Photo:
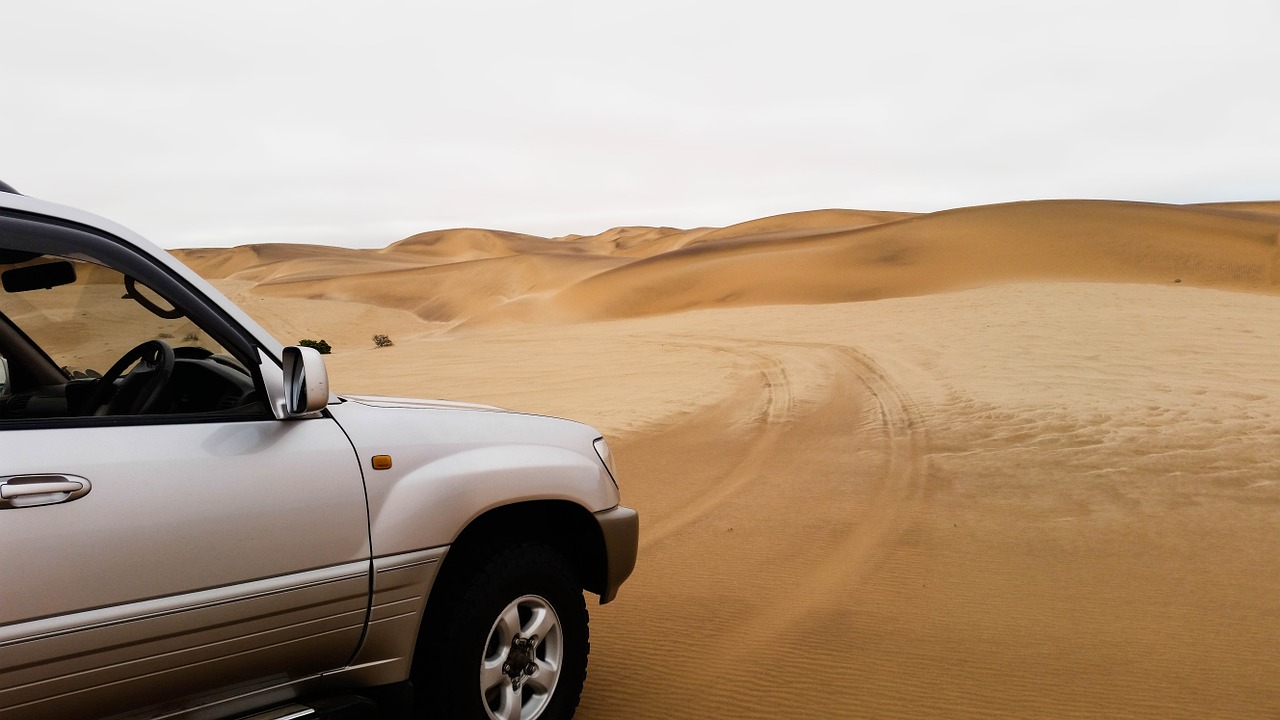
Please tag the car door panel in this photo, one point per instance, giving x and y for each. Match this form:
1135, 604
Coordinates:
207, 558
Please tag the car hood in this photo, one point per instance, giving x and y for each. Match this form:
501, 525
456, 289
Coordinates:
398, 402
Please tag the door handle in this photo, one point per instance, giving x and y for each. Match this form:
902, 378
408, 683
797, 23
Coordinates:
19, 491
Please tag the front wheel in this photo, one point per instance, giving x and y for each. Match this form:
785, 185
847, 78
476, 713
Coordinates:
509, 640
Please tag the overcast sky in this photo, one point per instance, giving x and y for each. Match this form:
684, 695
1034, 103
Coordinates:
231, 122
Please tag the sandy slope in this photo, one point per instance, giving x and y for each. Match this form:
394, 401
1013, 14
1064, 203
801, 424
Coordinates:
1035, 478
483, 278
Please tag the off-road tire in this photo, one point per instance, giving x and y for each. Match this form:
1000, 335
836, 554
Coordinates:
447, 669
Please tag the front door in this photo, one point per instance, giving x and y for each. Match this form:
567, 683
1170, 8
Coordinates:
165, 542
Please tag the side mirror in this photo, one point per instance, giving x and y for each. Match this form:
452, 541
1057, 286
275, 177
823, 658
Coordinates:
306, 381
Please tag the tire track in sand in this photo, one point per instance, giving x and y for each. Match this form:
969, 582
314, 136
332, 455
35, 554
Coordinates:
777, 413
781, 501
769, 415
901, 488
804, 627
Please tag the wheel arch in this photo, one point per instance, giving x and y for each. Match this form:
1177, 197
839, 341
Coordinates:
569, 529
490, 569
565, 526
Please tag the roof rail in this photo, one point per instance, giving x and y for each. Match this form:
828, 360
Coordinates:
6, 187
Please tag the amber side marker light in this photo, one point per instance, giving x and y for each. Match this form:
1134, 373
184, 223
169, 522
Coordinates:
381, 462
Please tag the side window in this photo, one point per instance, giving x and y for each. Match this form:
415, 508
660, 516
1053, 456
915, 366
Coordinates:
83, 339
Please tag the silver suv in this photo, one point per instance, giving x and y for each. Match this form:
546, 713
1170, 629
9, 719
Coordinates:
193, 526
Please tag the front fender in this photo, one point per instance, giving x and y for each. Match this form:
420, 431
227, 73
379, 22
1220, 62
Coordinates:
431, 505
449, 466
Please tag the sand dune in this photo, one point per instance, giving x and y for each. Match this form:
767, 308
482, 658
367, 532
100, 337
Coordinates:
959, 249
1266, 209
1009, 461
445, 294
808, 220
482, 277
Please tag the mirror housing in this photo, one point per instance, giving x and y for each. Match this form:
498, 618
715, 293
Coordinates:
306, 381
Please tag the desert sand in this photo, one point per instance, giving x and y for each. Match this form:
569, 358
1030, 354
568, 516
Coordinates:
1008, 461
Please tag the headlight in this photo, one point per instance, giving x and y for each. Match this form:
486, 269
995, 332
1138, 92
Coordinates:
606, 457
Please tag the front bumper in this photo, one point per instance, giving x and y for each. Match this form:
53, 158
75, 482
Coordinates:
620, 528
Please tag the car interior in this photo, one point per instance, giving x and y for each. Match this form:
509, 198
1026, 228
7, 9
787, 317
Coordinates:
80, 339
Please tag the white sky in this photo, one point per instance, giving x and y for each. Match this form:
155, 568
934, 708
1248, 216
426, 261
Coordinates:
351, 123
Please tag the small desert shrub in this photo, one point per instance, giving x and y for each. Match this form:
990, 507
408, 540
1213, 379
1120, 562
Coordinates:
165, 336
382, 341
320, 345
190, 337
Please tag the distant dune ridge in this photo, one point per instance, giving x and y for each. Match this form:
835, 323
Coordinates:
1009, 461
824, 256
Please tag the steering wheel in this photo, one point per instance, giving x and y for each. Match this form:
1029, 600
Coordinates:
141, 390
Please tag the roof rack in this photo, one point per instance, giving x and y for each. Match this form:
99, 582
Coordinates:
6, 187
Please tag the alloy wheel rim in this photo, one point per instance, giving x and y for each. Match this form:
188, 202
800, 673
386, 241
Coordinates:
522, 661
